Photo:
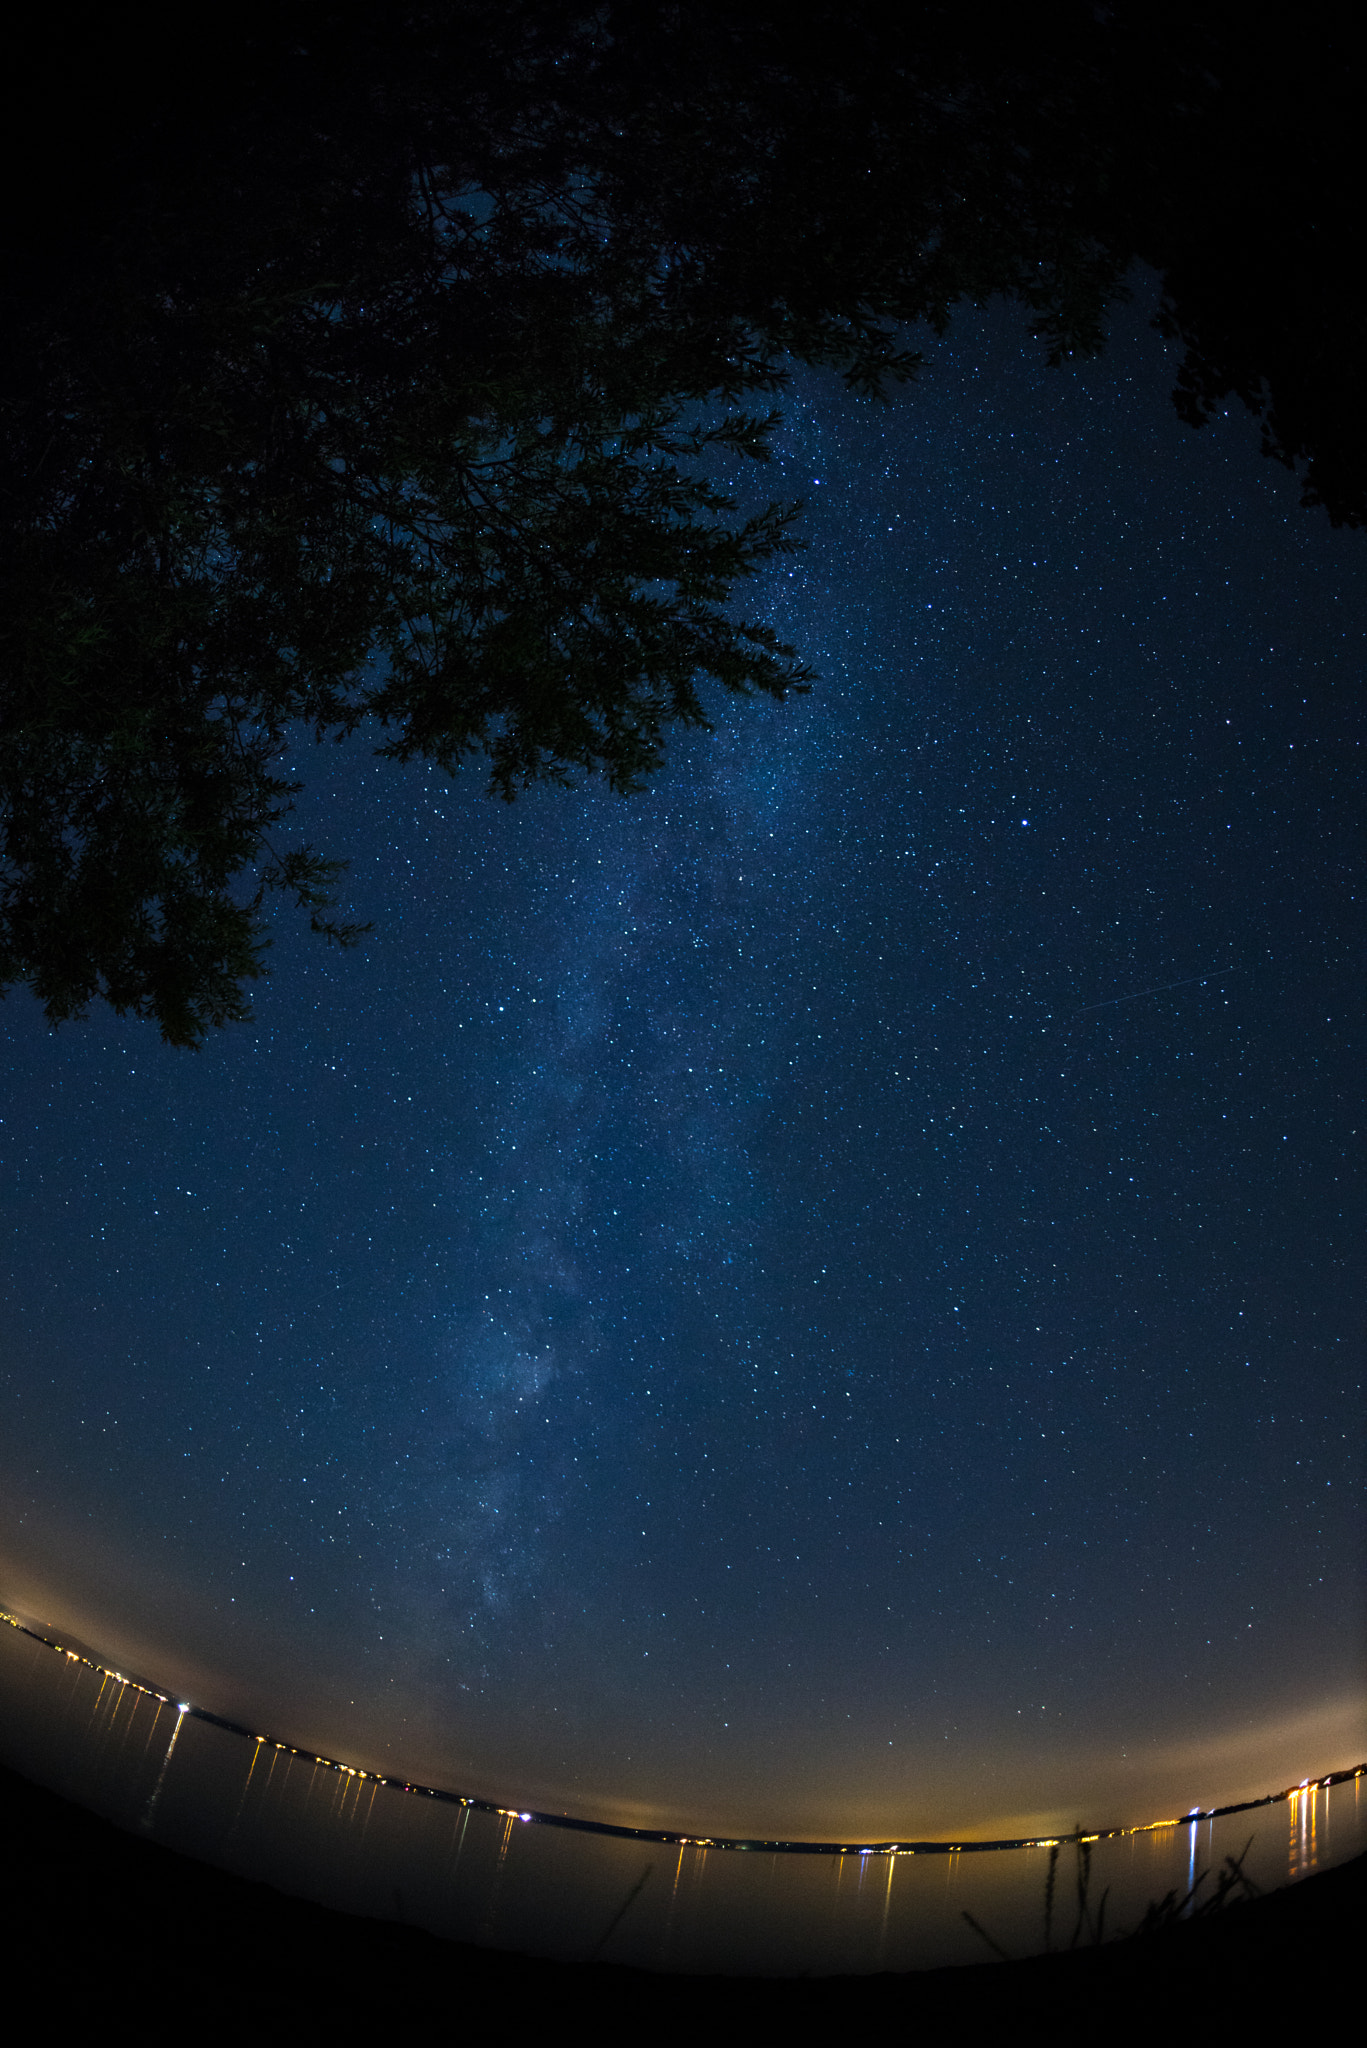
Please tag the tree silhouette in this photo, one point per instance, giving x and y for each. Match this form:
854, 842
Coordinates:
374, 379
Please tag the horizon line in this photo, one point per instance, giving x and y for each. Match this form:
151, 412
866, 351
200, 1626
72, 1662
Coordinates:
667, 1837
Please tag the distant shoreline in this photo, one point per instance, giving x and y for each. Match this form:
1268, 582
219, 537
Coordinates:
72, 1647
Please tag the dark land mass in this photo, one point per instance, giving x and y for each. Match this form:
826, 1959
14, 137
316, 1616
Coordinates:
125, 1931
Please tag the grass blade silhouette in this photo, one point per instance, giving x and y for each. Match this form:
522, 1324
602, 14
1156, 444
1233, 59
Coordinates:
619, 1915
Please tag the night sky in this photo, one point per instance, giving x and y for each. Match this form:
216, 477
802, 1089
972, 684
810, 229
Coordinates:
824, 1296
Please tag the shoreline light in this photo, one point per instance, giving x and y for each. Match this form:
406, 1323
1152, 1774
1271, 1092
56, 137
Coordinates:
672, 1837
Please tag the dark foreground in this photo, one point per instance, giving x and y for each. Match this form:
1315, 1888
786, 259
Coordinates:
120, 1931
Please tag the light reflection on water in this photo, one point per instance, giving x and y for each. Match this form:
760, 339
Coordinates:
354, 1843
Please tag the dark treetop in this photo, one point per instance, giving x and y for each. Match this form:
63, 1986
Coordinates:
377, 380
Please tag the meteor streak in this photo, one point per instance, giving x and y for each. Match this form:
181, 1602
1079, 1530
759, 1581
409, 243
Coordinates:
1157, 990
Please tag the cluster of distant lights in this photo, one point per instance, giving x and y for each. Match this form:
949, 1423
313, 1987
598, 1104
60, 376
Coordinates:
599, 1827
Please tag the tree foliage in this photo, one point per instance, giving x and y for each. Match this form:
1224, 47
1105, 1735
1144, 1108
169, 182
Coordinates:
373, 379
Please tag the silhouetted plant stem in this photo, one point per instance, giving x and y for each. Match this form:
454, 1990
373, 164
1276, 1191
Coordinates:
979, 1929
1049, 1900
620, 1914
1084, 1874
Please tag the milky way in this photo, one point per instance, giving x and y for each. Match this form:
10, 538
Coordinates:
827, 1294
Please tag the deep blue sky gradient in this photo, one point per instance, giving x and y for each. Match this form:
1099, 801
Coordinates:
826, 1295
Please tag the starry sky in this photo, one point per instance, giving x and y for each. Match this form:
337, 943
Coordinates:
826, 1295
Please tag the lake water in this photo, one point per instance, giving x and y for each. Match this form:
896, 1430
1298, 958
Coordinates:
478, 1874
